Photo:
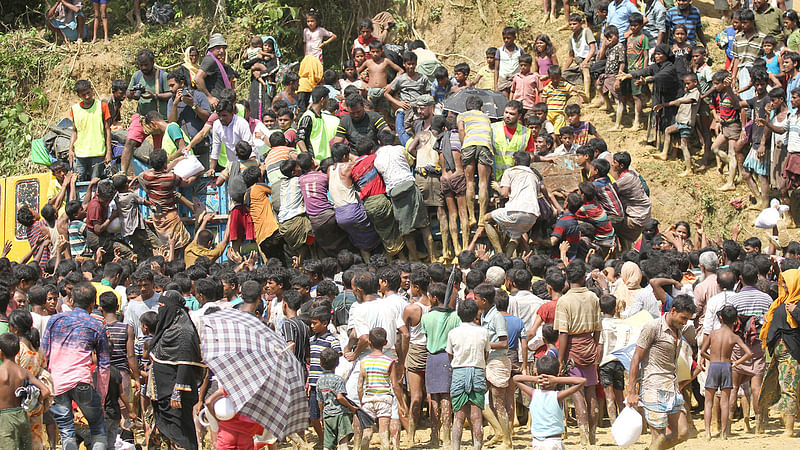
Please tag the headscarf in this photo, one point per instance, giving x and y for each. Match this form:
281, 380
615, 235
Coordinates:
631, 283
175, 340
187, 62
788, 294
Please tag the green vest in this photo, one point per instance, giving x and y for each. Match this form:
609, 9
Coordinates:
323, 129
91, 140
168, 145
504, 148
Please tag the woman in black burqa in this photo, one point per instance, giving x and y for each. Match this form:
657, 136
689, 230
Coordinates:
177, 371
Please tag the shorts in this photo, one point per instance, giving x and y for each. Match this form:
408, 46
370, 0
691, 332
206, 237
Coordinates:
631, 89
379, 102
558, 119
313, 405
337, 428
552, 443
685, 130
504, 81
455, 185
15, 430
514, 223
732, 130
719, 376
102, 2
606, 83
498, 371
136, 132
477, 153
659, 404
588, 372
613, 374
431, 189
378, 406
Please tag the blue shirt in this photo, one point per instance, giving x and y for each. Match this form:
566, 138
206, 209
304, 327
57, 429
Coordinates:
731, 33
317, 344
792, 85
187, 118
439, 93
516, 330
690, 21
547, 416
618, 15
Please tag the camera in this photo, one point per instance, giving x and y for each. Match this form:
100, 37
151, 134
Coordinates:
186, 92
138, 90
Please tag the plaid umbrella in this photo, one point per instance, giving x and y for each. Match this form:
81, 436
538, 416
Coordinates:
262, 378
493, 102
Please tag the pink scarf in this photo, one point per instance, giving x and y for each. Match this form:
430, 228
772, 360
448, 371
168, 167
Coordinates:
225, 80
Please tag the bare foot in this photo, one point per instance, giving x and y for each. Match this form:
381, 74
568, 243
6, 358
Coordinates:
726, 187
615, 128
708, 436
661, 156
637, 126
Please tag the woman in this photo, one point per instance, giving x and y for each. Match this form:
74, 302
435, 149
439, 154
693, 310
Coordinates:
190, 57
261, 92
791, 31
679, 236
628, 285
177, 371
666, 84
781, 336
20, 322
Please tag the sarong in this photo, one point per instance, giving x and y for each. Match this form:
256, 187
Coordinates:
409, 210
327, 234
354, 221
468, 385
169, 226
438, 373
416, 358
380, 213
780, 383
295, 232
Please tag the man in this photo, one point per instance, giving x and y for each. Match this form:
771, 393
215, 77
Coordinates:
768, 19
752, 305
655, 27
62, 186
708, 287
359, 123
70, 343
190, 109
683, 13
227, 131
314, 133
635, 201
214, 75
203, 244
98, 220
146, 301
176, 141
65, 18
148, 86
578, 322
421, 121
90, 143
657, 350
791, 69
509, 137
726, 283
746, 49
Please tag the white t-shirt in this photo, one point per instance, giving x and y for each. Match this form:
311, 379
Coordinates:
713, 306
524, 194
469, 344
391, 163
313, 39
237, 130
524, 304
136, 308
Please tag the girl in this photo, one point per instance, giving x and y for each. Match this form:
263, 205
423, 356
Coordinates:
314, 36
682, 51
350, 77
545, 57
20, 322
359, 56
100, 12
791, 31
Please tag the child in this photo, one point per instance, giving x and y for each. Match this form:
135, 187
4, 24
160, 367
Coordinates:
540, 111
37, 235
728, 123
101, 12
486, 73
78, 247
136, 234
407, 87
441, 86
582, 48
359, 56
90, 144
118, 89
568, 146
547, 409
377, 67
507, 60
111, 407
238, 431
637, 46
314, 36
364, 38
517, 336
612, 372
582, 130
333, 404
468, 346
550, 339
703, 122
16, 428
350, 77
594, 214
475, 133
688, 106
526, 85
454, 183
721, 343
556, 94
545, 57
376, 391
255, 58
330, 79
681, 50
285, 120
460, 77
321, 340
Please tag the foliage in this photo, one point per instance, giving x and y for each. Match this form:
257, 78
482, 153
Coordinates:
518, 20
435, 13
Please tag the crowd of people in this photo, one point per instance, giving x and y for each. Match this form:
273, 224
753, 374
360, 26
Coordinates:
339, 185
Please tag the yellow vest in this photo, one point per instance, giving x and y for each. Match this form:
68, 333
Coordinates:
91, 140
504, 148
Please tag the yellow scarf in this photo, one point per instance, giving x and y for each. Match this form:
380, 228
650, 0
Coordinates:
187, 63
788, 292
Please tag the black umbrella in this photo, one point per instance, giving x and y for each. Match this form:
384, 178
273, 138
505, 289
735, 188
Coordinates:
493, 102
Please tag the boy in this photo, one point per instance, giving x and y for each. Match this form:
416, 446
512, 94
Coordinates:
441, 86
594, 214
454, 183
547, 413
134, 230
468, 347
507, 60
582, 48
566, 227
517, 335
376, 389
540, 111
526, 85
295, 331
61, 188
637, 46
333, 404
377, 67
321, 341
728, 123
293, 224
408, 87
118, 88
568, 145
285, 120
37, 235
556, 94
582, 130
78, 248
90, 144
16, 428
688, 105
757, 163
461, 77
704, 83
550, 339
475, 134
721, 343
485, 77
612, 372
607, 83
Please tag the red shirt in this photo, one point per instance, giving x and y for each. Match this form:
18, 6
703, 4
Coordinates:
96, 213
531, 147
367, 177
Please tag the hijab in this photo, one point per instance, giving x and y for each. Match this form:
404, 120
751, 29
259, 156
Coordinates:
630, 284
187, 62
788, 292
175, 340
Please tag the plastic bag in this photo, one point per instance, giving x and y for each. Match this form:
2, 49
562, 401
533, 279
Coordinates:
39, 153
160, 13
627, 428
188, 167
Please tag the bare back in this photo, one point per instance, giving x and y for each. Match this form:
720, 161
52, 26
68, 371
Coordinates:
377, 72
722, 342
12, 376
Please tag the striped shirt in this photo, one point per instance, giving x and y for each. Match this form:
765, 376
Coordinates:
317, 344
727, 110
793, 135
477, 129
118, 338
77, 239
377, 369
557, 96
160, 188
34, 234
583, 132
594, 214
366, 176
607, 197
750, 301
691, 21
747, 49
